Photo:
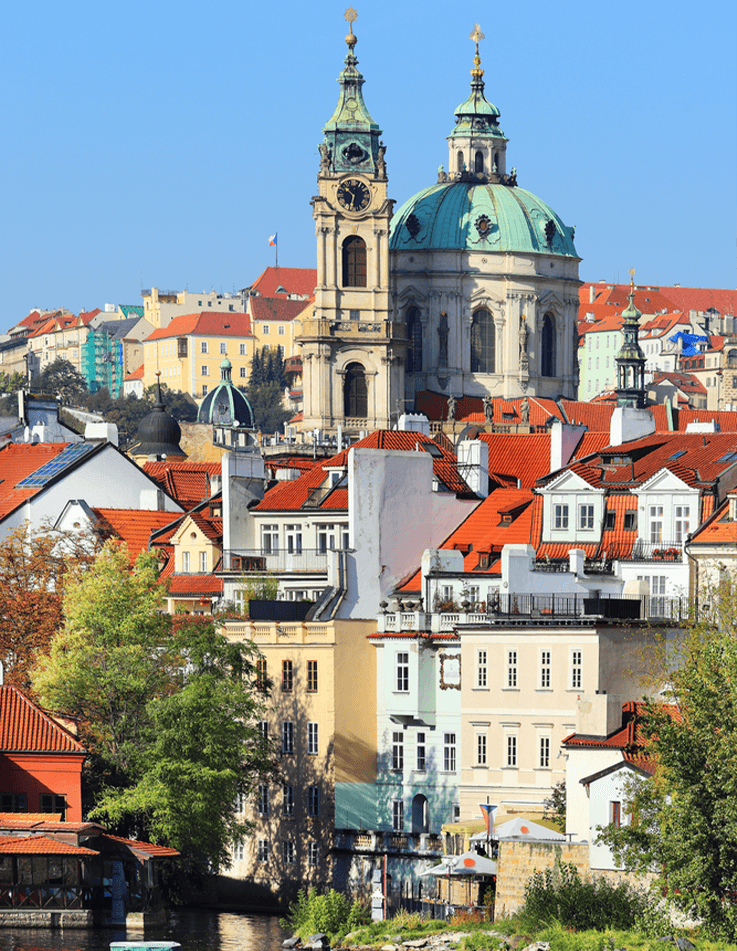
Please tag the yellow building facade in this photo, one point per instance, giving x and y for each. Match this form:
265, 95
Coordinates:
189, 351
321, 722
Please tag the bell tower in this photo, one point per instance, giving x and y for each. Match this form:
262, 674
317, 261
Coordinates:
352, 352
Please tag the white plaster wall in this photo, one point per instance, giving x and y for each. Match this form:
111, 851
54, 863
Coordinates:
393, 517
107, 480
581, 763
613, 787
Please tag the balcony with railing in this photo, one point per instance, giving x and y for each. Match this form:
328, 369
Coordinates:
425, 843
260, 560
545, 609
656, 551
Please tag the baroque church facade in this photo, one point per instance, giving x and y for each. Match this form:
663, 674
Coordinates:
469, 289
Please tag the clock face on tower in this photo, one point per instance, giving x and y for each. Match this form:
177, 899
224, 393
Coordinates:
353, 195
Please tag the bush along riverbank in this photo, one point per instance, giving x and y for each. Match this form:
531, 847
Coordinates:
562, 912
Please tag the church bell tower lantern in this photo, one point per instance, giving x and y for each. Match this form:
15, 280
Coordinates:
352, 352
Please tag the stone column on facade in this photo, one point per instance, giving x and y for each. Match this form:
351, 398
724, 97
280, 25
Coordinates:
323, 231
331, 243
376, 260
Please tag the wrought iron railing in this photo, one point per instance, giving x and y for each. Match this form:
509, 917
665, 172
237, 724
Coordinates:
258, 560
656, 551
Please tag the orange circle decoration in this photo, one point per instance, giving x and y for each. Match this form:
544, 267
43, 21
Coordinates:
469, 863
524, 829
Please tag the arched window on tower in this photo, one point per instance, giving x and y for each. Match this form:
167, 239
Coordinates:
354, 262
355, 392
496, 161
413, 322
548, 346
483, 342
459, 161
479, 163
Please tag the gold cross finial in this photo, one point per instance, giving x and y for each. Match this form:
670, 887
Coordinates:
476, 34
351, 16
632, 276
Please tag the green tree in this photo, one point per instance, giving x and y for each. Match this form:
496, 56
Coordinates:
63, 379
11, 382
555, 806
168, 711
265, 390
684, 819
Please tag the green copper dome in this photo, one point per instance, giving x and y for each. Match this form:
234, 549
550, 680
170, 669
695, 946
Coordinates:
470, 217
226, 405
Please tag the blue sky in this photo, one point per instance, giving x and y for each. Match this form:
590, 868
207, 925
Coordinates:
161, 144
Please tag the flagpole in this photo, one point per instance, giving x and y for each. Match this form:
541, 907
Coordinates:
276, 250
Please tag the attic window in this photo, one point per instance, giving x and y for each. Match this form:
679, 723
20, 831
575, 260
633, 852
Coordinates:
610, 521
616, 460
433, 449
483, 561
728, 457
630, 521
193, 534
506, 518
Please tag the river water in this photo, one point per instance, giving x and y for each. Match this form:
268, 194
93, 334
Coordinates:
195, 930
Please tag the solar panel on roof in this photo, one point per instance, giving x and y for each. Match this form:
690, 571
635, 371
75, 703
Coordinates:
56, 465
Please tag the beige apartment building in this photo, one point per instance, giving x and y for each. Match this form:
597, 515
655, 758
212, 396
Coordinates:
277, 323
189, 350
322, 725
161, 307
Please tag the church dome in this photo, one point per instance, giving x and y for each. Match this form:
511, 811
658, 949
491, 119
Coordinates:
158, 433
226, 405
465, 216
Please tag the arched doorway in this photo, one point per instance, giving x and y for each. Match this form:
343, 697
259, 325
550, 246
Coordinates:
355, 391
420, 817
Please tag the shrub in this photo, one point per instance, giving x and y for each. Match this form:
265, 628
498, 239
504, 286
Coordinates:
331, 913
561, 895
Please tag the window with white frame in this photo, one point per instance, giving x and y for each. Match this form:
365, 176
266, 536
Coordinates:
312, 738
585, 517
402, 672
240, 804
325, 538
560, 516
287, 676
474, 594
420, 751
482, 670
544, 751
287, 803
511, 759
545, 669
398, 750
270, 539
313, 853
576, 669
511, 668
265, 328
281, 330
203, 346
263, 850
287, 736
203, 561
313, 801
263, 726
481, 749
288, 852
293, 538
398, 815
185, 561
204, 370
241, 349
344, 536
449, 752
239, 852
656, 524
224, 349
262, 802
242, 372
683, 522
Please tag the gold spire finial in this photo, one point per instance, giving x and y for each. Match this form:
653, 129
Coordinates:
632, 273
351, 16
477, 35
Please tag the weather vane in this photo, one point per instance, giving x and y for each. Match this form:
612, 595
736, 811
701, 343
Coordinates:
632, 275
476, 33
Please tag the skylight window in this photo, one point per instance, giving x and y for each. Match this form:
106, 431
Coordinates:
728, 457
56, 465
677, 455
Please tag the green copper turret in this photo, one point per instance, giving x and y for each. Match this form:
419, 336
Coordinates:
631, 359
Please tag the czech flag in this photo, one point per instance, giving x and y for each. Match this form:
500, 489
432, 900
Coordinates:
487, 812
272, 241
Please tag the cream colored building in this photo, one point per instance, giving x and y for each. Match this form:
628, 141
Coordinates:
189, 351
322, 724
161, 307
278, 323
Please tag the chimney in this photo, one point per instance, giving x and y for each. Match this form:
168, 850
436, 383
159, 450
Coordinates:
576, 558
564, 437
473, 465
629, 423
592, 294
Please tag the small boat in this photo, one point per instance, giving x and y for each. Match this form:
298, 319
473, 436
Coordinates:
145, 946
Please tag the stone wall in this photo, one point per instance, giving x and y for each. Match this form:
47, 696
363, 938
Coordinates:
196, 441
46, 919
518, 860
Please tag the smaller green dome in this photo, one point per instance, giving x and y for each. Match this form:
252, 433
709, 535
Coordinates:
226, 405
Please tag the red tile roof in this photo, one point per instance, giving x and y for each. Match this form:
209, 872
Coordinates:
294, 280
188, 482
41, 845
683, 381
717, 529
513, 456
292, 495
470, 409
18, 460
702, 298
276, 308
207, 323
726, 420
596, 416
190, 585
26, 728
150, 848
134, 526
135, 375
629, 738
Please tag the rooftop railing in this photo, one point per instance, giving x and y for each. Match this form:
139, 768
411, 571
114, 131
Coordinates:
259, 560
